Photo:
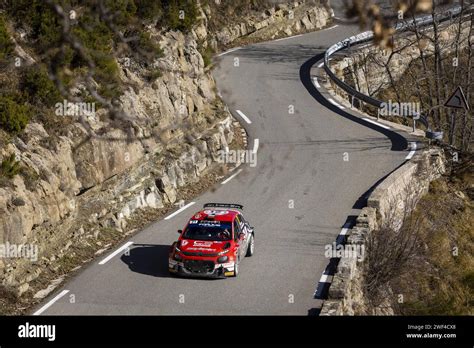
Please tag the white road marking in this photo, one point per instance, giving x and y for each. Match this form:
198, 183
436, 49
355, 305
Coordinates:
316, 83
412, 152
345, 228
376, 123
334, 26
241, 114
256, 143
231, 177
344, 231
179, 210
320, 65
332, 101
326, 278
108, 258
289, 37
50, 303
229, 51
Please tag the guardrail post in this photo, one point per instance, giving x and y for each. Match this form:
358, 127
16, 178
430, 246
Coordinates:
352, 102
414, 125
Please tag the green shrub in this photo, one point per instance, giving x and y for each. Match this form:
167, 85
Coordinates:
13, 116
122, 10
149, 9
206, 54
6, 44
146, 44
37, 15
10, 167
94, 34
154, 74
48, 30
39, 88
181, 15
30, 178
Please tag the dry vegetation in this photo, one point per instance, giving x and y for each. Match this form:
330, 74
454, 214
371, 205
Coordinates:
427, 267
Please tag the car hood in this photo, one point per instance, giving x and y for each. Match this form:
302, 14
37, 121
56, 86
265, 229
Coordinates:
203, 246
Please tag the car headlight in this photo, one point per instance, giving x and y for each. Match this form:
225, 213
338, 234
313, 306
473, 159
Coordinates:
222, 252
222, 259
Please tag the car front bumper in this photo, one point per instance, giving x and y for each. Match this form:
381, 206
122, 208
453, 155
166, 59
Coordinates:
218, 270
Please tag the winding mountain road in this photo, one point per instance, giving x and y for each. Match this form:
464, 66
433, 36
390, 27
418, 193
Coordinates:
301, 159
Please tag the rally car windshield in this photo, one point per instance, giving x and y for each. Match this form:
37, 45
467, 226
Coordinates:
213, 230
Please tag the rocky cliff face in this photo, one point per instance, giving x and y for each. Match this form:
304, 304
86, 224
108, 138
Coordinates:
282, 20
86, 183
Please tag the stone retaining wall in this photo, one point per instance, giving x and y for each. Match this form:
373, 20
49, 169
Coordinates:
406, 184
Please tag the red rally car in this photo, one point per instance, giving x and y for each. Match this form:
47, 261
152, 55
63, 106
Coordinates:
213, 243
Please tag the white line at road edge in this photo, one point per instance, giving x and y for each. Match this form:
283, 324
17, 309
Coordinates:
333, 102
241, 114
126, 245
345, 228
289, 37
231, 177
334, 26
229, 51
179, 210
255, 145
343, 231
50, 303
376, 123
412, 152
316, 83
326, 278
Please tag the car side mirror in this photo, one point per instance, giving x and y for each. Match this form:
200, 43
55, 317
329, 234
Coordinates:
180, 231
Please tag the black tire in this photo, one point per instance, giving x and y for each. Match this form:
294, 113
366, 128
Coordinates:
250, 247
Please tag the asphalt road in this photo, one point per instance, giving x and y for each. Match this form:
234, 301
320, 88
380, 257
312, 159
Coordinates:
300, 159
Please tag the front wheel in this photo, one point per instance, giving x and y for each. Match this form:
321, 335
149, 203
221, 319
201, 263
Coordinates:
251, 247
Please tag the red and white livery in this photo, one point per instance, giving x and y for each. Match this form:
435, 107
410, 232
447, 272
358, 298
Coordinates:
213, 243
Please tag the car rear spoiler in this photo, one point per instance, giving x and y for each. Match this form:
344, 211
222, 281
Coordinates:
224, 205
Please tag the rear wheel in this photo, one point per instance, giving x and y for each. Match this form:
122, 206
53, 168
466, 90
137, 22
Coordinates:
250, 247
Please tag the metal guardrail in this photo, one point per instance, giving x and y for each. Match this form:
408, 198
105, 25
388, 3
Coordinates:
368, 36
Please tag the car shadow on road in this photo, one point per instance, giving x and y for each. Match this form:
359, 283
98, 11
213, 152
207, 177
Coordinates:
149, 259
